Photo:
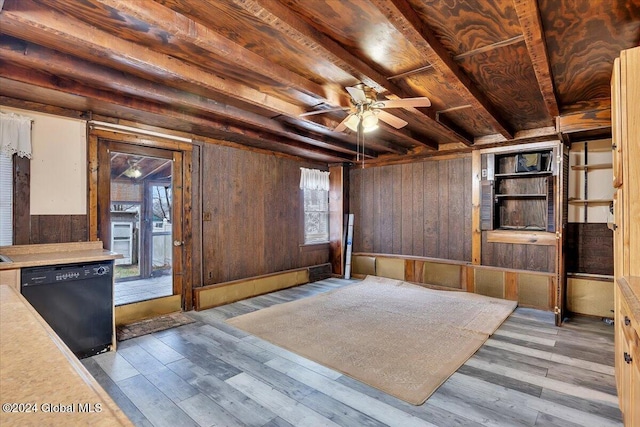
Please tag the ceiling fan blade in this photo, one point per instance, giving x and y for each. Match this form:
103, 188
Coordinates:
343, 124
394, 121
311, 113
357, 94
421, 101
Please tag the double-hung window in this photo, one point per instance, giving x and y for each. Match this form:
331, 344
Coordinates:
314, 184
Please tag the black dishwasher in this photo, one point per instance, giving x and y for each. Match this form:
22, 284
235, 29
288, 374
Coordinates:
76, 300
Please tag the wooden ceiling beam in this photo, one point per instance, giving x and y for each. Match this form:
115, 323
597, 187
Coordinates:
483, 49
584, 121
222, 129
402, 16
279, 17
38, 57
187, 30
529, 17
26, 20
527, 136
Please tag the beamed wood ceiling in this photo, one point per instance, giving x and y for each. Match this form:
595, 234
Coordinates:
496, 71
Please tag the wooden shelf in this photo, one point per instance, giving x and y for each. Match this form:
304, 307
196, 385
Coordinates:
593, 166
521, 196
522, 174
590, 201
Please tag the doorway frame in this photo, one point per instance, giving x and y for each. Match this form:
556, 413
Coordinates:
182, 166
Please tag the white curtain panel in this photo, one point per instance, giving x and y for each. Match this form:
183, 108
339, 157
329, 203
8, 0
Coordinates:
15, 135
314, 179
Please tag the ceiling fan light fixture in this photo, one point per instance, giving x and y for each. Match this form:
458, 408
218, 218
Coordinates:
369, 120
370, 128
352, 122
133, 171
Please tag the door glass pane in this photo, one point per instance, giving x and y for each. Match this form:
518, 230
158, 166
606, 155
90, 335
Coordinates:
141, 227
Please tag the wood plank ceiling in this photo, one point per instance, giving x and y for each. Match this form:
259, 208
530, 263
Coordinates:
496, 71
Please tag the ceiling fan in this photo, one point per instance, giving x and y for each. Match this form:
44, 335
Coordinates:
366, 109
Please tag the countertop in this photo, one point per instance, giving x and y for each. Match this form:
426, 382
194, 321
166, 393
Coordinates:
21, 256
38, 370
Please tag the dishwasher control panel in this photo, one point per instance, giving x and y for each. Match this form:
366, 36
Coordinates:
64, 273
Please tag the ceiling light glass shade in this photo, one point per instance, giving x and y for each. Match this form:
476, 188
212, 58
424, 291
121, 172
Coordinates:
369, 120
133, 172
370, 128
352, 123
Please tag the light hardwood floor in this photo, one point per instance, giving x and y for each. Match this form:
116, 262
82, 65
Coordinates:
530, 373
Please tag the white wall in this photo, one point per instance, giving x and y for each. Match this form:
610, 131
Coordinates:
58, 164
599, 181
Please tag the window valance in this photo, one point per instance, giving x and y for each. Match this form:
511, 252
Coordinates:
15, 134
314, 179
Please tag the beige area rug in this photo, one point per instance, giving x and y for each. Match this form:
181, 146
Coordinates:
403, 339
149, 326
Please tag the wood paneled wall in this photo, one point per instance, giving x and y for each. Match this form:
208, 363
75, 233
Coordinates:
420, 209
589, 248
58, 229
518, 256
252, 215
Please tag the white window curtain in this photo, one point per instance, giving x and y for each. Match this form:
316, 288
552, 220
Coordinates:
15, 135
15, 138
314, 184
314, 179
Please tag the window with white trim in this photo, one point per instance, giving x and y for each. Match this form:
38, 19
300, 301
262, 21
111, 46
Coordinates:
314, 184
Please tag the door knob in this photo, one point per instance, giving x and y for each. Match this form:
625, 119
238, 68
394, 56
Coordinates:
178, 243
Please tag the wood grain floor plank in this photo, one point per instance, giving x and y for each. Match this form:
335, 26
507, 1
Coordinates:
517, 361
154, 404
539, 404
500, 380
278, 381
338, 412
206, 412
426, 411
162, 352
118, 396
174, 387
583, 378
116, 366
375, 409
242, 407
585, 406
198, 355
278, 422
544, 382
286, 354
286, 408
548, 355
450, 399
